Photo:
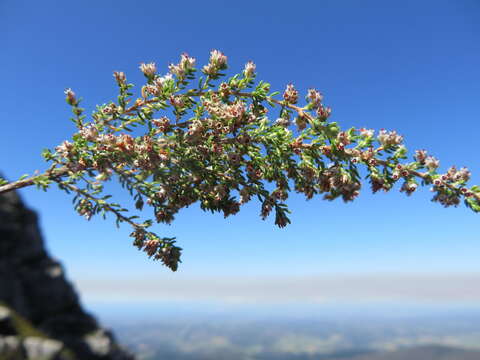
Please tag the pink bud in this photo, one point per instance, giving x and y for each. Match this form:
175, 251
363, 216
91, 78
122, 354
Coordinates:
249, 70
148, 70
71, 99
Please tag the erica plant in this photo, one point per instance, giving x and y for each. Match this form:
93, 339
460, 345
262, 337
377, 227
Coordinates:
214, 140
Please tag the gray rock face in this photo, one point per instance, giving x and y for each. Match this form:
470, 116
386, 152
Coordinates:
34, 286
38, 348
11, 348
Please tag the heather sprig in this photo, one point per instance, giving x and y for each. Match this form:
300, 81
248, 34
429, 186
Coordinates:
218, 141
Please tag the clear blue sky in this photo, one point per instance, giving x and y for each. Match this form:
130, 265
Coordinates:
412, 66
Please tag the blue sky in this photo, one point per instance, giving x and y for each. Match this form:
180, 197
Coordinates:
410, 66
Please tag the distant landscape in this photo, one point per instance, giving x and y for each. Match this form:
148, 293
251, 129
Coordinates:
296, 334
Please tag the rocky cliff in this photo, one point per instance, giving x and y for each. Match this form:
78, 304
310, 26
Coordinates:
40, 313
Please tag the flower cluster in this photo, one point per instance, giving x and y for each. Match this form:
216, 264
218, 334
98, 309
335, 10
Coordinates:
290, 95
218, 62
389, 138
149, 70
184, 67
249, 71
221, 148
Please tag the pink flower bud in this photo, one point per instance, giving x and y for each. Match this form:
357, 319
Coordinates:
462, 175
148, 90
408, 188
368, 133
148, 70
161, 81
187, 62
120, 77
290, 95
177, 70
431, 163
64, 148
388, 139
209, 69
89, 132
323, 112
218, 59
71, 99
151, 247
314, 97
420, 156
249, 70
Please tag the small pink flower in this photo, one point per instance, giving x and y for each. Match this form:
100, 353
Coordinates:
368, 133
323, 112
315, 97
148, 70
420, 156
89, 132
409, 188
290, 95
177, 70
218, 59
249, 70
151, 247
71, 99
462, 175
431, 163
187, 62
120, 77
390, 138
64, 148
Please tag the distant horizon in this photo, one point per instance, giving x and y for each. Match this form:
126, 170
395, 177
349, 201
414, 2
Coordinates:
141, 311
432, 289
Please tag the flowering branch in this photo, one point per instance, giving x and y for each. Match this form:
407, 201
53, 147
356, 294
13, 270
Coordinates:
214, 144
